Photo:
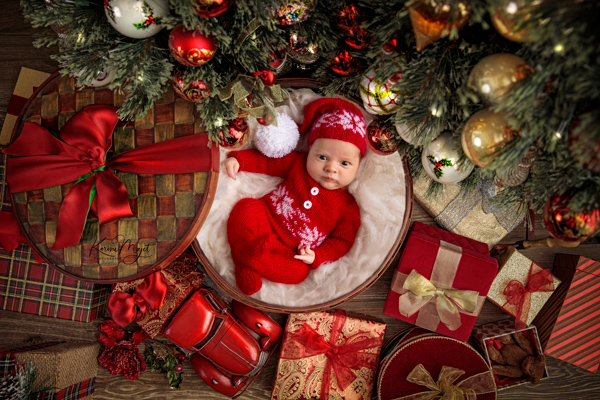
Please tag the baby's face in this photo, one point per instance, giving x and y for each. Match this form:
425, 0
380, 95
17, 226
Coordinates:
332, 163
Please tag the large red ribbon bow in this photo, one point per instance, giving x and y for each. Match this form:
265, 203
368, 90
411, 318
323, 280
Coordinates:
11, 236
80, 155
343, 358
125, 308
518, 297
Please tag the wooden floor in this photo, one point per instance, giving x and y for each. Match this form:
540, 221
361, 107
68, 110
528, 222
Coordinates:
16, 51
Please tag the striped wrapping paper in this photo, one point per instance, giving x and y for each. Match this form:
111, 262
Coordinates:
569, 323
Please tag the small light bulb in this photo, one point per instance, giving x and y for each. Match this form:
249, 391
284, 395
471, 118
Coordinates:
486, 88
559, 48
558, 135
512, 7
219, 122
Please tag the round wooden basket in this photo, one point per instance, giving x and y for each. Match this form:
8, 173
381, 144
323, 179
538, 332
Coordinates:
168, 209
232, 290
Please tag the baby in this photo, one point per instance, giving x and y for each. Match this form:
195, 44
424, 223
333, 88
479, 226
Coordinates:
310, 218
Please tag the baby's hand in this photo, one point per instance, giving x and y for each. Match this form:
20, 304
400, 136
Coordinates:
305, 253
232, 166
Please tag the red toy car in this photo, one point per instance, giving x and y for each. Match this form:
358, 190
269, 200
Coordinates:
231, 346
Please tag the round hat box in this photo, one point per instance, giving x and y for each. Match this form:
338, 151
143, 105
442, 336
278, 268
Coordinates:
433, 351
168, 209
383, 190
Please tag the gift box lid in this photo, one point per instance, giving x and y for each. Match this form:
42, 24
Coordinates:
167, 209
432, 352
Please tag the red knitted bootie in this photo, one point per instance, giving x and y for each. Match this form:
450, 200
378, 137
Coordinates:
246, 279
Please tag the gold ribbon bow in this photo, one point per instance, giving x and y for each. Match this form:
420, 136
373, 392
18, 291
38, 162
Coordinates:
445, 389
242, 89
421, 291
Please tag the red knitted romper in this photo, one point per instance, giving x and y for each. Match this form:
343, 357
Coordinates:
264, 233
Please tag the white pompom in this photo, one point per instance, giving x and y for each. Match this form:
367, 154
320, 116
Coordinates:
277, 141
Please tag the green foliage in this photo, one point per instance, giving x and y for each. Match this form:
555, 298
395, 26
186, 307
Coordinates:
166, 366
561, 49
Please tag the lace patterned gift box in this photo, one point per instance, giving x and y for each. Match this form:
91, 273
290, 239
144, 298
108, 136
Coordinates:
327, 355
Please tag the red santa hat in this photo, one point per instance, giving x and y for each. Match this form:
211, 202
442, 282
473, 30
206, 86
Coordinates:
335, 118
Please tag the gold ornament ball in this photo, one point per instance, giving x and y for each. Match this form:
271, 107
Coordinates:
484, 135
431, 20
493, 76
508, 15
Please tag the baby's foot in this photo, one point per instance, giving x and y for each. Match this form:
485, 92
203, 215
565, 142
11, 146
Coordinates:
247, 280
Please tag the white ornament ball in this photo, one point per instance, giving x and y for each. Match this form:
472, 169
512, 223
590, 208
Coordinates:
136, 19
379, 98
277, 141
440, 159
102, 78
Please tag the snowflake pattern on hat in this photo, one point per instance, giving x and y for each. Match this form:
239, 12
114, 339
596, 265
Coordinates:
342, 119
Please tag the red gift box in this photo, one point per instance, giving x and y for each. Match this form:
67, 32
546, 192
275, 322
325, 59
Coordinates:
441, 281
569, 323
426, 365
180, 279
326, 355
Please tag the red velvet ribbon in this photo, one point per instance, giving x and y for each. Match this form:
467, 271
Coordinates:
80, 155
343, 358
125, 308
10, 234
518, 297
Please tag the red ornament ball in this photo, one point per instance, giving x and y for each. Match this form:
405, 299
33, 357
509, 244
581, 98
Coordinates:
393, 44
566, 225
190, 47
235, 135
345, 64
178, 368
193, 91
348, 17
211, 8
358, 38
381, 138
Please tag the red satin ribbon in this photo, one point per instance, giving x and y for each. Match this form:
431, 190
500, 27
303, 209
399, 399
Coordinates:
80, 155
10, 234
518, 297
343, 359
126, 308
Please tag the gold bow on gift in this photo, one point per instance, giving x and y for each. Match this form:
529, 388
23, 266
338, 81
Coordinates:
421, 291
445, 389
242, 88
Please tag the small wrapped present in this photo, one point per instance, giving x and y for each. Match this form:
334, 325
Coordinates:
27, 82
521, 287
328, 355
515, 355
568, 323
63, 370
425, 365
152, 301
41, 290
472, 216
441, 281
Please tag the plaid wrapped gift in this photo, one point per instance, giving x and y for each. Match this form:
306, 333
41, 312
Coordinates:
63, 370
182, 278
32, 288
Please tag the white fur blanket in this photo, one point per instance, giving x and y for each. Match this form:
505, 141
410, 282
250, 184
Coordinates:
379, 189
